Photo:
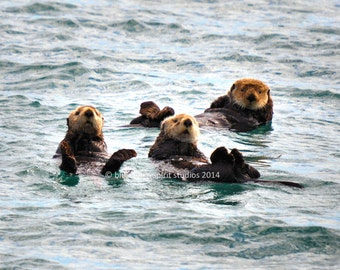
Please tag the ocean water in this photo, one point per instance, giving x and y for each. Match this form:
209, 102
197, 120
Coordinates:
56, 55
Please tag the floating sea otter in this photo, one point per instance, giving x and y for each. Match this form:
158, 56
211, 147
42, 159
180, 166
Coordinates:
246, 106
176, 152
84, 148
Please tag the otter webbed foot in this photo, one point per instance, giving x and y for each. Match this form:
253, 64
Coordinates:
221, 155
117, 159
246, 169
237, 155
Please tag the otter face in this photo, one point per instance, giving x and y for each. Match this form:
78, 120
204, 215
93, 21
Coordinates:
86, 119
181, 127
250, 94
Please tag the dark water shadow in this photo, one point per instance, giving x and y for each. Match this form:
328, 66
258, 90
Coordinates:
223, 193
210, 192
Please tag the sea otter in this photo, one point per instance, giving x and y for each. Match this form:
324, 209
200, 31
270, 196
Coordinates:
84, 148
246, 106
177, 141
178, 156
176, 144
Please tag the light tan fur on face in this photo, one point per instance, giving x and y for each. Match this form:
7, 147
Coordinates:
86, 119
249, 93
181, 127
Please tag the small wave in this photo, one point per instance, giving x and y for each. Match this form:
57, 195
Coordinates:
324, 30
317, 72
71, 68
7, 64
40, 8
131, 25
266, 37
296, 92
244, 58
66, 22
212, 37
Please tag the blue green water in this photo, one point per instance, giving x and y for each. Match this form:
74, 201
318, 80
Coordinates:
56, 55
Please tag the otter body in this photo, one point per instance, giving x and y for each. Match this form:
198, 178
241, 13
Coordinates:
83, 149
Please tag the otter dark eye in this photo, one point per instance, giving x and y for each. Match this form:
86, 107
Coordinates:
260, 92
77, 113
243, 90
175, 120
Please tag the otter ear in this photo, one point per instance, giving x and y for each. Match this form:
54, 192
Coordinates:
233, 87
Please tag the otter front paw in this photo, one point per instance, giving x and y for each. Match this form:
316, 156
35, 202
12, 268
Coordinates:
68, 161
149, 109
151, 115
164, 113
117, 159
68, 164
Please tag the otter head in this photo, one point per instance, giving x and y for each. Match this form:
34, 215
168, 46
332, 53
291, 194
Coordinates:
181, 127
250, 94
86, 120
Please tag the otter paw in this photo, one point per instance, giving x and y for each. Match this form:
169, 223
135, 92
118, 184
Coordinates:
68, 164
151, 115
117, 159
164, 113
149, 109
124, 154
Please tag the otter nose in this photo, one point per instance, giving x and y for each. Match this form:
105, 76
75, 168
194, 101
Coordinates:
89, 113
187, 123
251, 98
